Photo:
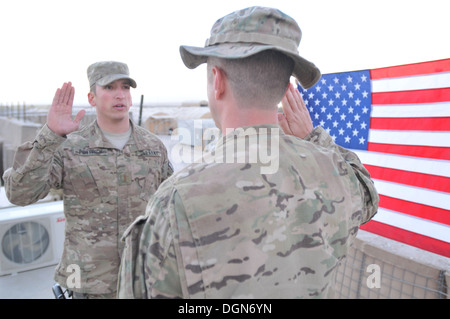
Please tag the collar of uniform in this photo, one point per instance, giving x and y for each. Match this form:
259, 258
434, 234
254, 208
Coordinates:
249, 131
98, 140
141, 139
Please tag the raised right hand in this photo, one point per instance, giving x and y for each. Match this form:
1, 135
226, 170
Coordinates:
296, 119
59, 118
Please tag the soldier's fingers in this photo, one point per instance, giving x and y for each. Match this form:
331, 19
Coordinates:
59, 98
71, 96
66, 93
297, 100
56, 97
294, 100
79, 117
300, 102
287, 104
303, 110
284, 124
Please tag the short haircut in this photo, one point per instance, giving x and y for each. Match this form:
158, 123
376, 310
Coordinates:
262, 78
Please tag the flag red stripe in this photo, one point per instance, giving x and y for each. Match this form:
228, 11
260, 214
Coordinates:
411, 69
410, 97
411, 150
436, 214
423, 242
438, 183
411, 124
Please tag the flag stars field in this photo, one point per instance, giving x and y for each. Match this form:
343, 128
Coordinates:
337, 102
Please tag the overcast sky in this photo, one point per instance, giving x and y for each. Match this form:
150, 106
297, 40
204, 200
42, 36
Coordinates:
47, 42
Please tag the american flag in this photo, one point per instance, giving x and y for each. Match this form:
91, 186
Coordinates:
397, 120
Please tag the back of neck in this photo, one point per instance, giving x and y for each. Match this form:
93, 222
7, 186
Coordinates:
248, 117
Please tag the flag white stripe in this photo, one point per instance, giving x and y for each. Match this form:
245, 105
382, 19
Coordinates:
414, 224
408, 83
405, 163
413, 194
424, 138
440, 109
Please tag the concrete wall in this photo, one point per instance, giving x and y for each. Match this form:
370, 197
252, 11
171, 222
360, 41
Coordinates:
14, 133
17, 131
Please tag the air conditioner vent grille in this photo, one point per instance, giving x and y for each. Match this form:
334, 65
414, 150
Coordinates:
25, 242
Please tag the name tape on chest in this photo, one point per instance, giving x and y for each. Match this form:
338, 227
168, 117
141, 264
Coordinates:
100, 152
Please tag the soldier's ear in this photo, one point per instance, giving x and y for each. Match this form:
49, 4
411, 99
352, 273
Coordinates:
219, 82
91, 99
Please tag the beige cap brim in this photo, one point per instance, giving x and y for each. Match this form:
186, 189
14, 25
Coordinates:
114, 77
305, 71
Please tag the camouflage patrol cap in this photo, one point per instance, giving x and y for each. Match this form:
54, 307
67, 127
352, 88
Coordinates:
249, 31
105, 72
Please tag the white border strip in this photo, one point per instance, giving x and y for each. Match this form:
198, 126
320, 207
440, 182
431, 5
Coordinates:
424, 138
405, 163
413, 194
408, 83
440, 109
413, 224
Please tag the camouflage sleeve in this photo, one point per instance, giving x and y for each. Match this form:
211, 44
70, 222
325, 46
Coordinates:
36, 169
130, 282
320, 137
149, 266
167, 167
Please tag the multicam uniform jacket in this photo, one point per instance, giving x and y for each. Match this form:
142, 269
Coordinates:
227, 230
105, 190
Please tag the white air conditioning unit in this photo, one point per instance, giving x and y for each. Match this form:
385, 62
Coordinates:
31, 237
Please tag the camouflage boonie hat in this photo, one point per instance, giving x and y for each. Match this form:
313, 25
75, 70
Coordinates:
105, 72
249, 31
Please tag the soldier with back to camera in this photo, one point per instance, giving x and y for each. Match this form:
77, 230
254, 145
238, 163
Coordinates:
227, 227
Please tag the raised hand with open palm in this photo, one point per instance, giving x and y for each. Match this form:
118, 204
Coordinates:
59, 118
